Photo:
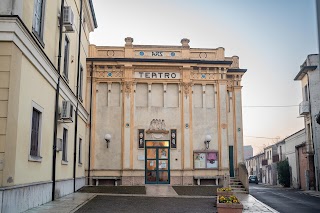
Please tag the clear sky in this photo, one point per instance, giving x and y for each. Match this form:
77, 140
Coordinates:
271, 37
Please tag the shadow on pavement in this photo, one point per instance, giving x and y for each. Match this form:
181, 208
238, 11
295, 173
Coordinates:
114, 189
196, 190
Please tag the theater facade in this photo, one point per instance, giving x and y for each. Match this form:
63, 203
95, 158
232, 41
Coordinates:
163, 114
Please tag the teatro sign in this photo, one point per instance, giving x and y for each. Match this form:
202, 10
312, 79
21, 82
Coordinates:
158, 75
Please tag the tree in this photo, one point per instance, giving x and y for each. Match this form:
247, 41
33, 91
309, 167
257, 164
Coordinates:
283, 173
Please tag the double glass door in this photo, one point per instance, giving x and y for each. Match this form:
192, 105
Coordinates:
157, 162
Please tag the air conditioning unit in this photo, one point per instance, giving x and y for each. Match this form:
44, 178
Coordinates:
66, 111
68, 19
59, 145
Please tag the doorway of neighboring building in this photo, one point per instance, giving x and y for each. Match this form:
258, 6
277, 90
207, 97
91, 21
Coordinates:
231, 166
157, 162
303, 166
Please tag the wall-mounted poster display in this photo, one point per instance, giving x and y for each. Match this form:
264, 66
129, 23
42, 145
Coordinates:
141, 138
173, 133
205, 159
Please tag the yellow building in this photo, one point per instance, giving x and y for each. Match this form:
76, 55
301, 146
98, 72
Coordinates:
41, 156
164, 115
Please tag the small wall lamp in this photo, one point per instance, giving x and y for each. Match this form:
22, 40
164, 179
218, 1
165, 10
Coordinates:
207, 141
107, 137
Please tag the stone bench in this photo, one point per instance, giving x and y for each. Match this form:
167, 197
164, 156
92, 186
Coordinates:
115, 178
216, 178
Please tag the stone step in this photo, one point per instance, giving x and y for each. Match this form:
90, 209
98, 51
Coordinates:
236, 186
240, 189
240, 192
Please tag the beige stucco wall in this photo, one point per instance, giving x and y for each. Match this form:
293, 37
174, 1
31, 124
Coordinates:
29, 75
25, 169
10, 78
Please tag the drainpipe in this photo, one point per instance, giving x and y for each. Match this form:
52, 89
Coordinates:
316, 150
77, 108
90, 130
56, 111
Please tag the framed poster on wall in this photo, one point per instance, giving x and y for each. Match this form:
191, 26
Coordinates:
141, 138
173, 138
205, 159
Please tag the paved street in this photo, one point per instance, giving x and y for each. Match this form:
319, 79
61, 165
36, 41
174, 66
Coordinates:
286, 200
158, 198
102, 203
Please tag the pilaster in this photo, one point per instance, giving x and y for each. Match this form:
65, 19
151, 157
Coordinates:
222, 125
187, 119
128, 121
238, 125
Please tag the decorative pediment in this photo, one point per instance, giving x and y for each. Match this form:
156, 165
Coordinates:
157, 126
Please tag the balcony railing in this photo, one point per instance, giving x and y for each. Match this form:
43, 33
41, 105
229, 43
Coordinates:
264, 162
275, 158
304, 108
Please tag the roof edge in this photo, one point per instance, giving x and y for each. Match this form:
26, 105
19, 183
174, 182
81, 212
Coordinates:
93, 14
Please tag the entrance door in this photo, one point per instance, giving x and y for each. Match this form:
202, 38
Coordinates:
157, 162
231, 167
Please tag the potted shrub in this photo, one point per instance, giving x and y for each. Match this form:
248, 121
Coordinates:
224, 191
229, 204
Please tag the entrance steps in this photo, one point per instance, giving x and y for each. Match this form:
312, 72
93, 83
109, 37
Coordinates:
160, 191
236, 186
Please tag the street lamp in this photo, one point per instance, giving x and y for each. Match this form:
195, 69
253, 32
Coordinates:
207, 141
107, 137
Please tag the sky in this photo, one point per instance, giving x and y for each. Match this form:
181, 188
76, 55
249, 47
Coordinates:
271, 37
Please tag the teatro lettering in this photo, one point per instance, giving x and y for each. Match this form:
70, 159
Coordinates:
158, 75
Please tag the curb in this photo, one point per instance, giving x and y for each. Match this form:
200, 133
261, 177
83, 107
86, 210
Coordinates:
265, 205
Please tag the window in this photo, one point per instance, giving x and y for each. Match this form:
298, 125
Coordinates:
38, 18
66, 57
80, 151
64, 144
35, 133
80, 83
306, 95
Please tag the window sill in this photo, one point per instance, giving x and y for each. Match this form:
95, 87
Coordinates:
64, 162
38, 38
65, 78
35, 158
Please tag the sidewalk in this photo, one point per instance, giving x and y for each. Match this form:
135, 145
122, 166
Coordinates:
251, 204
311, 193
73, 202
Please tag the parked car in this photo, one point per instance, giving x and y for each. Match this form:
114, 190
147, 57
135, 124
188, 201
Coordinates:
253, 179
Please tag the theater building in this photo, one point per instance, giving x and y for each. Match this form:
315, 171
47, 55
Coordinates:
163, 114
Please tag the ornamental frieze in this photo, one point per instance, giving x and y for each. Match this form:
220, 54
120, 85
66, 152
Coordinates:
127, 87
186, 87
108, 74
203, 76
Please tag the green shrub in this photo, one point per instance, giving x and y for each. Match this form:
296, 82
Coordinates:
283, 173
